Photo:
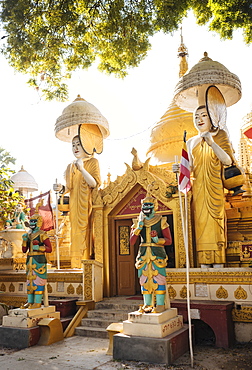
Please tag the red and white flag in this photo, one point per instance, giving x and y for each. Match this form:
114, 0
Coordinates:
184, 176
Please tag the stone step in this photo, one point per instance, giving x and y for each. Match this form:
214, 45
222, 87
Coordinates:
110, 315
91, 332
95, 323
129, 307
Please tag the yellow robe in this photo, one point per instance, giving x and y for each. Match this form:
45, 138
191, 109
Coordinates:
208, 201
80, 206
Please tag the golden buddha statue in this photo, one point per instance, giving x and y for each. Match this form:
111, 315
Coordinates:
209, 152
81, 176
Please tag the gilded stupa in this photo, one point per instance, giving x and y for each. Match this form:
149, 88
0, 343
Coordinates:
167, 135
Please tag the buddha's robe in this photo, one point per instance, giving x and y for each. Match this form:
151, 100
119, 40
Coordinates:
80, 206
208, 200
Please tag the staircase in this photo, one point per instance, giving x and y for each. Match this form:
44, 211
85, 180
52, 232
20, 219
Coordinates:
106, 312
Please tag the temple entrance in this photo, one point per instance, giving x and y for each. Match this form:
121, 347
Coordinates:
127, 281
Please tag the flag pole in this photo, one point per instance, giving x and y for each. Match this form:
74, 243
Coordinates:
184, 168
188, 280
56, 188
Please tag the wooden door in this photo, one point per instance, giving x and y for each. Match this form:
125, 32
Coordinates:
126, 271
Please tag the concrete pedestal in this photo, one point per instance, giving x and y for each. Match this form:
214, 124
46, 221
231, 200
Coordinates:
27, 318
152, 350
19, 337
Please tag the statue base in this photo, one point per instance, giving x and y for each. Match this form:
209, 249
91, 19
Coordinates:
28, 318
155, 325
152, 350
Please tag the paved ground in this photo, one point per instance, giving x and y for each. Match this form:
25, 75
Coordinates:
90, 353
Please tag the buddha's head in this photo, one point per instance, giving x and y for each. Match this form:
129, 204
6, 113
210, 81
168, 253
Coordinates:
202, 120
77, 148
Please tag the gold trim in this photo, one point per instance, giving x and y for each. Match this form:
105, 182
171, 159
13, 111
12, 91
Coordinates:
210, 277
242, 315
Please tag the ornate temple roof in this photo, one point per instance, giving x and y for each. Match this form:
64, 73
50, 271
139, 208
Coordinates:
79, 112
23, 181
190, 90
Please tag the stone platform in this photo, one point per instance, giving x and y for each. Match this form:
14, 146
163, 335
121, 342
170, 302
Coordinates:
153, 350
152, 337
27, 318
156, 325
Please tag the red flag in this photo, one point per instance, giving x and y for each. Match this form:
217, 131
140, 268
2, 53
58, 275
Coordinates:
184, 177
45, 210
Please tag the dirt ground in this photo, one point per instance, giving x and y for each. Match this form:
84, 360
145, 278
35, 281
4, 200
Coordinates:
205, 358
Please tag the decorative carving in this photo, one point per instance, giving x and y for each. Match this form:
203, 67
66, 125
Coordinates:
70, 289
210, 277
183, 292
49, 288
73, 277
124, 246
11, 288
221, 293
98, 235
240, 293
172, 292
180, 247
3, 287
244, 314
87, 281
79, 290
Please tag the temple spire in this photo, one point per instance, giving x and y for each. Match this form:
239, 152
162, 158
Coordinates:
182, 54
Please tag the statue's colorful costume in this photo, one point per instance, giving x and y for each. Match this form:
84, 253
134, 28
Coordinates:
151, 260
80, 208
37, 243
208, 200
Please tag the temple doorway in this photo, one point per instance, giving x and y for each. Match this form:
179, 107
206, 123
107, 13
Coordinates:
127, 281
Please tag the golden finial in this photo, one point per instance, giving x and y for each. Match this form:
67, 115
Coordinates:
182, 54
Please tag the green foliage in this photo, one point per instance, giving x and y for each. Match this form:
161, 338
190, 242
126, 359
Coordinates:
5, 158
48, 39
8, 198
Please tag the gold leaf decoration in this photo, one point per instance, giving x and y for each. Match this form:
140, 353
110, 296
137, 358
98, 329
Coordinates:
70, 289
172, 292
88, 282
79, 290
244, 314
3, 287
221, 293
49, 288
240, 293
12, 288
183, 292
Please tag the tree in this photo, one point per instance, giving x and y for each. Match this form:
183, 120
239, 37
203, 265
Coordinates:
8, 197
48, 39
5, 158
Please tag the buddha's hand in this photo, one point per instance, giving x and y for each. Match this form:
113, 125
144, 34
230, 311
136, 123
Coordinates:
79, 164
207, 136
175, 167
